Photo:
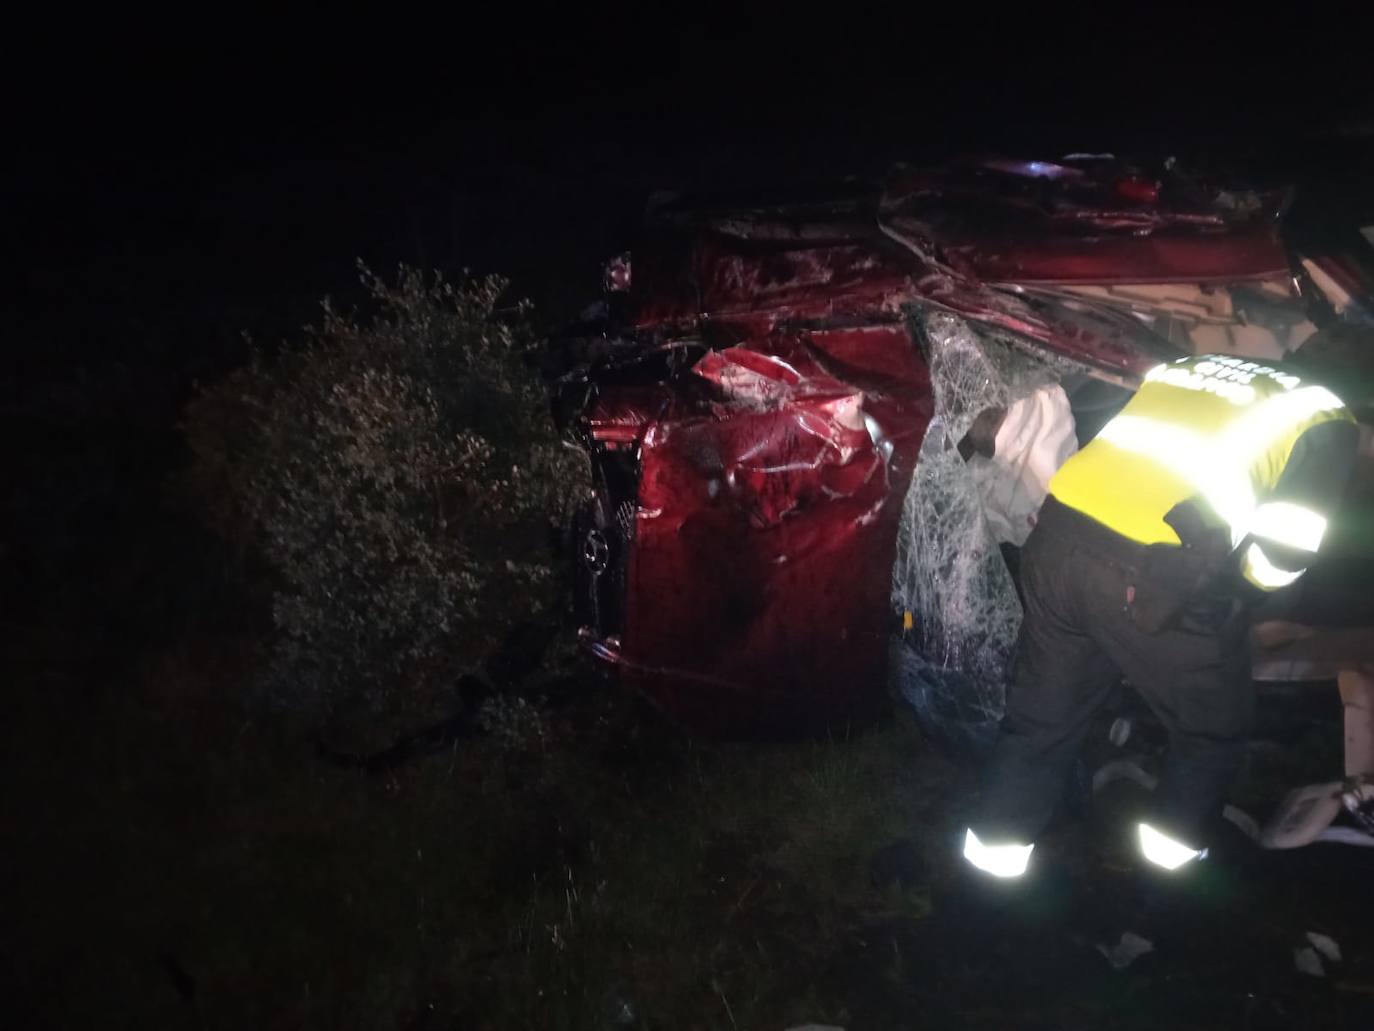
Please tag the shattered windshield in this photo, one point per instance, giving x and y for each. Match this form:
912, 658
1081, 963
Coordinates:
950, 579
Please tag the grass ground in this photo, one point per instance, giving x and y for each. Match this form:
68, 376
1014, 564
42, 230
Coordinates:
176, 863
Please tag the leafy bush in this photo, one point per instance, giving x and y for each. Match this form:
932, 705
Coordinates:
399, 474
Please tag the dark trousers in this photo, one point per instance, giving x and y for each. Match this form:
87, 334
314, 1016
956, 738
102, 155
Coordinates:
1078, 637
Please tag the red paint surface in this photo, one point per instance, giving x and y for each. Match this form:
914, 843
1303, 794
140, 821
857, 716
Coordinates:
1157, 258
764, 542
758, 573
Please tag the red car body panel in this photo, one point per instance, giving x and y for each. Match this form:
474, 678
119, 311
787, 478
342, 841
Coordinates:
753, 528
767, 476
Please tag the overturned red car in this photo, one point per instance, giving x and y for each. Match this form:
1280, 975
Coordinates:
799, 501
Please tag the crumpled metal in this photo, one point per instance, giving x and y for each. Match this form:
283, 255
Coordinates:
765, 510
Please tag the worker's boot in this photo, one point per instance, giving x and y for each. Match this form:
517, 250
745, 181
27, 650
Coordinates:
1203, 905
983, 916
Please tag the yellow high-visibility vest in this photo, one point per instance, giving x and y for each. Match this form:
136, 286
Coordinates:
1213, 426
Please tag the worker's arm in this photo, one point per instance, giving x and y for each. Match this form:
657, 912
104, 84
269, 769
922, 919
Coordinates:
981, 438
1286, 530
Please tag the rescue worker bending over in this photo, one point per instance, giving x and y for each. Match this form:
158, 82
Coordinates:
1218, 469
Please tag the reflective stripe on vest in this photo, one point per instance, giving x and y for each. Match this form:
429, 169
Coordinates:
1257, 568
1217, 427
1289, 524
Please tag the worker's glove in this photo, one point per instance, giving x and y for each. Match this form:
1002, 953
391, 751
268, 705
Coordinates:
1172, 575
1208, 541
981, 438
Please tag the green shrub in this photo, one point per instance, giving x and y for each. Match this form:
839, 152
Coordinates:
399, 474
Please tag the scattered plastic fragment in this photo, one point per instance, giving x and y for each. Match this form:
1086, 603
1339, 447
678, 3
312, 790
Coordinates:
1358, 799
1302, 816
1326, 945
1346, 836
620, 1011
1315, 959
1242, 821
1306, 814
1130, 769
1123, 769
1126, 951
1308, 962
1119, 732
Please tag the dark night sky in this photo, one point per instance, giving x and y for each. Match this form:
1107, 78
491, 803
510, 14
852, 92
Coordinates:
166, 188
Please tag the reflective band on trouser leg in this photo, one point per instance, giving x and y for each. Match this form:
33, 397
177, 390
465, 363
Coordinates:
998, 860
1164, 851
1264, 574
